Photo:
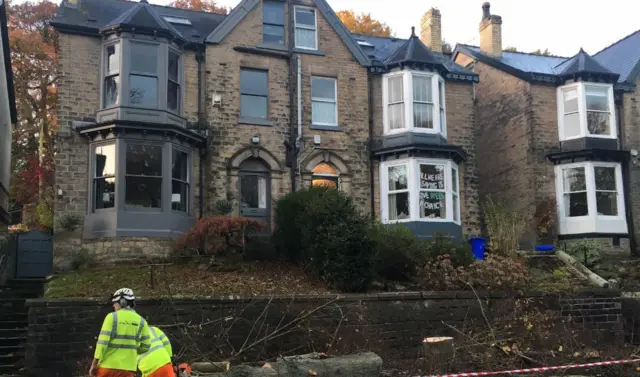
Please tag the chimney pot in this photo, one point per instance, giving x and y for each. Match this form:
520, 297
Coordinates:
486, 10
431, 30
490, 32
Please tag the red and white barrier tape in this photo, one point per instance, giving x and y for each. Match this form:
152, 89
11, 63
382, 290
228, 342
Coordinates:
540, 369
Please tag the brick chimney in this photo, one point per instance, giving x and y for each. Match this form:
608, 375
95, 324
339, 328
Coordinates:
490, 32
431, 30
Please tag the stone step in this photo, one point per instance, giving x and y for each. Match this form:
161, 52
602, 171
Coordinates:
19, 324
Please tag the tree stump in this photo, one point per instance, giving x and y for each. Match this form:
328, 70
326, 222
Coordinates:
438, 352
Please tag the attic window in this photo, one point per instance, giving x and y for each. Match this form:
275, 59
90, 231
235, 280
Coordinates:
177, 20
364, 43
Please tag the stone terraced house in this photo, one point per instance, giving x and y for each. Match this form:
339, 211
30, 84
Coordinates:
163, 112
8, 117
563, 130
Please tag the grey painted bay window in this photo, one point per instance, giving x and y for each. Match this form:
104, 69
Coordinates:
143, 177
254, 93
104, 177
180, 180
143, 81
273, 22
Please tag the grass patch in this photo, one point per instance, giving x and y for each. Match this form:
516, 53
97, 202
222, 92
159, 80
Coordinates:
252, 279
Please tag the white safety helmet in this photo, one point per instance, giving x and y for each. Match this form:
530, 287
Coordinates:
123, 294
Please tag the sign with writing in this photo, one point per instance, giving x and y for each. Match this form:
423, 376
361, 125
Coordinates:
431, 200
431, 177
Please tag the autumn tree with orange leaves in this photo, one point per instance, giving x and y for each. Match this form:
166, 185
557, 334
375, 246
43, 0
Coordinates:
201, 5
33, 45
363, 23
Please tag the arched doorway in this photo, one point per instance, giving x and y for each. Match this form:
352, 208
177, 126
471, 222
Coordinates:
325, 175
255, 190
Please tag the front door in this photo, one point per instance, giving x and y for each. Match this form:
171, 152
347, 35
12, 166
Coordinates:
255, 192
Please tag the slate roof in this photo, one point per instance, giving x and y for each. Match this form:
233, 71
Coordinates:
583, 63
522, 61
622, 57
6, 56
143, 15
412, 51
93, 15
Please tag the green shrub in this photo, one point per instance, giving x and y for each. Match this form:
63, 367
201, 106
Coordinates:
586, 251
504, 225
70, 222
459, 253
399, 255
322, 230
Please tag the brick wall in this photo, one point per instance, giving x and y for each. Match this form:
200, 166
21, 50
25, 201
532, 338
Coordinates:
62, 333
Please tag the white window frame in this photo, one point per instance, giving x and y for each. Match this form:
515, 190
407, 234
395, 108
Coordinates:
326, 100
413, 187
439, 125
582, 110
306, 27
592, 222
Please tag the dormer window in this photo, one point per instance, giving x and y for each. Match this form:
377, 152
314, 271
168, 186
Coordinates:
586, 110
414, 102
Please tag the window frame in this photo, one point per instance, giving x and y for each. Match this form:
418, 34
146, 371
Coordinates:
131, 72
284, 32
580, 87
296, 27
162, 177
592, 222
413, 187
325, 100
106, 74
94, 178
188, 183
178, 83
439, 125
266, 96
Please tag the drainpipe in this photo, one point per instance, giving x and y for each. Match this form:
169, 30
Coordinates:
292, 147
371, 175
299, 90
626, 184
202, 125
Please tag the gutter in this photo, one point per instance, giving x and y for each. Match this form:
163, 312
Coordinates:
371, 145
626, 184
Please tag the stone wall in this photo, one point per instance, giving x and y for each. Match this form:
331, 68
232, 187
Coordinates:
62, 333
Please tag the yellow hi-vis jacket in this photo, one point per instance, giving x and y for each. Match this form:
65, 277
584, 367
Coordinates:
158, 355
124, 335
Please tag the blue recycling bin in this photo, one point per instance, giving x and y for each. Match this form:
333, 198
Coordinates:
545, 249
478, 245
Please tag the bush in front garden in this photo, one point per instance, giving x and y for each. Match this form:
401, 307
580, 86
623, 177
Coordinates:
399, 255
322, 230
215, 235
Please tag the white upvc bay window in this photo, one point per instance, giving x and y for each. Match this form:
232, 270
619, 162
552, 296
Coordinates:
420, 190
414, 101
586, 110
590, 198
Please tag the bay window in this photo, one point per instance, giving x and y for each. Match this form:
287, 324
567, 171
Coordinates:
414, 101
143, 177
420, 190
590, 198
586, 110
104, 176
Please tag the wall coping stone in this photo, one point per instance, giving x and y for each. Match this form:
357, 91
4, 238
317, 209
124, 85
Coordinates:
384, 296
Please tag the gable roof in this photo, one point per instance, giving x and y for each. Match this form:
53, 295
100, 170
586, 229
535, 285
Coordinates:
245, 6
382, 49
93, 15
622, 57
6, 55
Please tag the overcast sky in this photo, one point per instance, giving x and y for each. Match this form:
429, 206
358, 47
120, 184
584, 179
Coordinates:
562, 26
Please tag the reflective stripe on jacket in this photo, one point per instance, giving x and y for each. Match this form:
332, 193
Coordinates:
124, 335
158, 355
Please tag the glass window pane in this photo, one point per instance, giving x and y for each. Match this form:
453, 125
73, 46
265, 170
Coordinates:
253, 82
396, 116
395, 86
306, 38
113, 58
323, 113
143, 90
597, 98
456, 206
423, 115
144, 58
441, 93
143, 192
306, 17
576, 204
253, 191
273, 12
272, 34
432, 177
104, 193
144, 160
454, 180
179, 196
111, 91
324, 88
607, 203
398, 178
598, 123
105, 160
180, 165
570, 101
331, 183
399, 206
173, 96
574, 179
605, 178
422, 89
433, 205
174, 65
572, 125
253, 106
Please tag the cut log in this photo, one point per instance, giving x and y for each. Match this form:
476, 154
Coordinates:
210, 367
438, 351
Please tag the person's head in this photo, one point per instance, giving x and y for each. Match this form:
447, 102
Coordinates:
123, 298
